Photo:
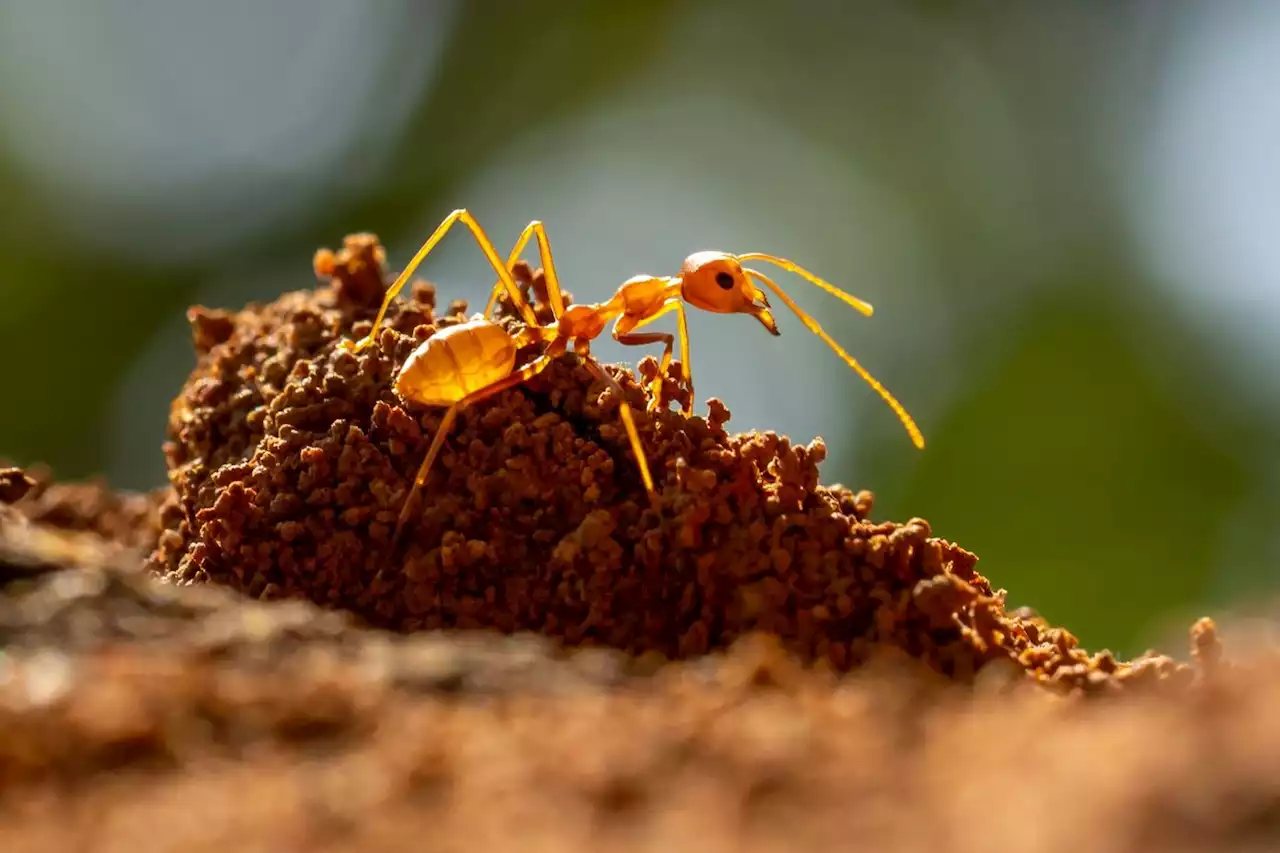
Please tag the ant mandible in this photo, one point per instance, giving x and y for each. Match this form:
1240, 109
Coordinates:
462, 365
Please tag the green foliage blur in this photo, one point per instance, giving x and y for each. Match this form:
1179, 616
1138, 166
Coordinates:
1107, 448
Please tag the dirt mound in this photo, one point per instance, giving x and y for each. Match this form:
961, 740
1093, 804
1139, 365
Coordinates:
291, 458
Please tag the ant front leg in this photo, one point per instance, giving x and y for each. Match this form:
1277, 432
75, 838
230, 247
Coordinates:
622, 333
554, 296
668, 345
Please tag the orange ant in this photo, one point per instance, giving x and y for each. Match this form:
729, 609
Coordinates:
462, 365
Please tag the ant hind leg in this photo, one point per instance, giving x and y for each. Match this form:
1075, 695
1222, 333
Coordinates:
425, 468
505, 278
554, 296
530, 370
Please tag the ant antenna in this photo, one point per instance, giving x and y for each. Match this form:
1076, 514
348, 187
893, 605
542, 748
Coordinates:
917, 437
791, 266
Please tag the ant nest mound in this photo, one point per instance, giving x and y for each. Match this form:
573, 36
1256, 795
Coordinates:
290, 459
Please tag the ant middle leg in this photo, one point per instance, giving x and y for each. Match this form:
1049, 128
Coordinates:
583, 350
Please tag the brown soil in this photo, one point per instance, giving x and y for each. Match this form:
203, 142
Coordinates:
756, 665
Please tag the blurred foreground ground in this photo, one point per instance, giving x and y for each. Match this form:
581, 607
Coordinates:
139, 716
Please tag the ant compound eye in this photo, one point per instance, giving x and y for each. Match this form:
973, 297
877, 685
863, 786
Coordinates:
725, 280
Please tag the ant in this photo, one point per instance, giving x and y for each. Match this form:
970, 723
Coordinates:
462, 365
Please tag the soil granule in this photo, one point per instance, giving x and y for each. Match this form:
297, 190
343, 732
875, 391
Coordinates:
290, 459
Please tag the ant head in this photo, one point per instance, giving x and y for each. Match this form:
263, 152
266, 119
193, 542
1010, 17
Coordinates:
716, 281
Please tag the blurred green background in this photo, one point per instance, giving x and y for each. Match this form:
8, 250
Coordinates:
1064, 213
